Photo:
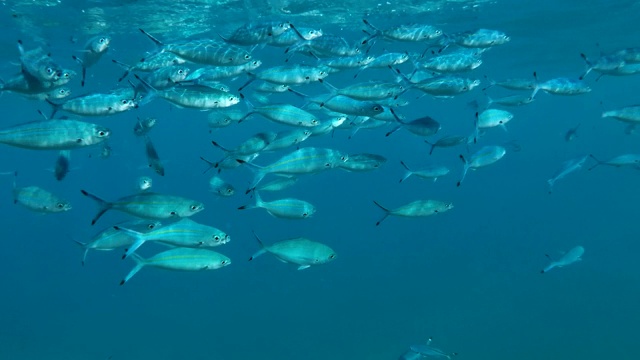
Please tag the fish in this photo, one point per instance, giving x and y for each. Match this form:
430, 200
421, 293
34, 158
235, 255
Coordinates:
153, 158
58, 134
417, 208
204, 51
288, 208
404, 32
253, 145
61, 168
423, 126
362, 162
426, 351
299, 251
38, 199
221, 187
182, 259
629, 114
307, 160
431, 172
571, 133
284, 114
144, 183
447, 141
182, 233
566, 168
96, 104
574, 255
484, 156
93, 51
110, 238
148, 205
143, 126
618, 161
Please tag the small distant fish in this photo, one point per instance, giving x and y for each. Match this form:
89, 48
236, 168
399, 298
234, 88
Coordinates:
363, 162
485, 156
143, 126
569, 258
299, 251
144, 183
571, 134
37, 199
182, 259
566, 168
221, 187
448, 141
418, 208
152, 157
61, 169
426, 351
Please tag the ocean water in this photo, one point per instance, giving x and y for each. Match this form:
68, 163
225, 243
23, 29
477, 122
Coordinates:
470, 278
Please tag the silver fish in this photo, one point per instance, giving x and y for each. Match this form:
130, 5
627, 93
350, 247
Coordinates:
566, 168
485, 156
37, 199
418, 208
182, 259
153, 158
574, 255
148, 205
288, 208
299, 251
54, 135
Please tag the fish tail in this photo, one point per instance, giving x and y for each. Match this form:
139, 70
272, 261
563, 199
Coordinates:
589, 66
262, 248
84, 247
103, 205
84, 69
387, 212
140, 239
252, 78
127, 69
408, 173
140, 263
597, 164
55, 107
464, 171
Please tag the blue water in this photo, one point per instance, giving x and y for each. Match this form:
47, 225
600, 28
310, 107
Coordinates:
469, 278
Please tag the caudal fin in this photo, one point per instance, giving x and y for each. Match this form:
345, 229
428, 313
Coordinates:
262, 248
140, 263
387, 212
103, 205
140, 239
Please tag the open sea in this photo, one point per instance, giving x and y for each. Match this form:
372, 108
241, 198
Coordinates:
469, 277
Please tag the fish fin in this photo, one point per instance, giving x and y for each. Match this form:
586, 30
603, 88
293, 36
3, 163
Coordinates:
302, 267
84, 247
103, 206
386, 211
156, 41
597, 164
464, 171
140, 263
262, 247
140, 239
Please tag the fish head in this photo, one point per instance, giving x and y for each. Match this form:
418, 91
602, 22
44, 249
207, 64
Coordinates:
218, 238
311, 34
145, 183
60, 93
308, 211
100, 44
63, 77
190, 209
61, 206
99, 134
226, 191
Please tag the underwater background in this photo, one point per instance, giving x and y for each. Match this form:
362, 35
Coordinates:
470, 278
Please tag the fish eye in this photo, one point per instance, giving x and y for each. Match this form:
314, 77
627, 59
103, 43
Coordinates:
376, 108
223, 262
101, 40
229, 191
247, 57
49, 70
194, 207
180, 71
124, 101
306, 78
305, 214
151, 226
60, 205
102, 133
216, 238
332, 256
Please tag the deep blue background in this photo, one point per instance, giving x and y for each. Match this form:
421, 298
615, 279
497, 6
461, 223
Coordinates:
469, 278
